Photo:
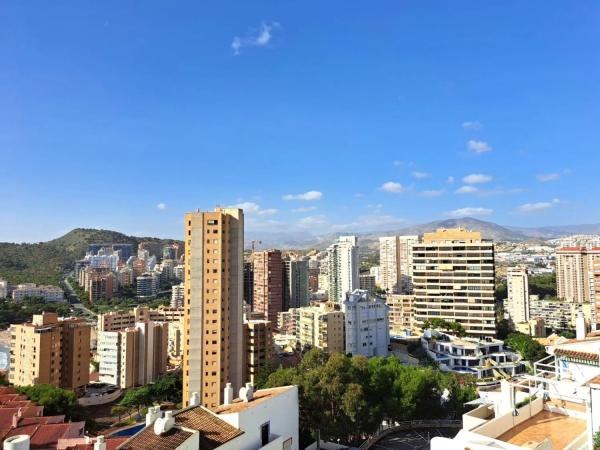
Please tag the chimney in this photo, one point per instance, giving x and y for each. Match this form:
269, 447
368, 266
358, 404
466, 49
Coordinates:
15, 419
194, 399
228, 394
152, 414
247, 392
580, 327
18, 442
164, 424
100, 444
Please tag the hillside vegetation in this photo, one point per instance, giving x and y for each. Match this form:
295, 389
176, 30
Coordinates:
45, 262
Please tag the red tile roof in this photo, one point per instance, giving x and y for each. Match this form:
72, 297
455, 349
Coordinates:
214, 432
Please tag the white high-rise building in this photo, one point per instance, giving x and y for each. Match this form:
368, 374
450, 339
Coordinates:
405, 256
395, 261
518, 295
367, 324
343, 265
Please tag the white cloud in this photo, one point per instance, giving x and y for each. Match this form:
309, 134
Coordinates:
399, 163
420, 175
470, 212
393, 187
479, 146
472, 125
161, 206
307, 196
466, 190
527, 208
259, 37
477, 178
252, 208
432, 193
545, 177
304, 209
375, 206
450, 179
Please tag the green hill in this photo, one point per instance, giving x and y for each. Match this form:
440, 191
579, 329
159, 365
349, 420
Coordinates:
45, 262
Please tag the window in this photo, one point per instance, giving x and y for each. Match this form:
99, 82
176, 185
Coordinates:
264, 433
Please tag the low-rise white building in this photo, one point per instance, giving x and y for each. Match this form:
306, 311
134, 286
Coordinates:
481, 357
556, 407
48, 293
366, 324
266, 419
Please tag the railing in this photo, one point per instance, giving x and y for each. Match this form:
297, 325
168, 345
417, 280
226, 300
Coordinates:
409, 425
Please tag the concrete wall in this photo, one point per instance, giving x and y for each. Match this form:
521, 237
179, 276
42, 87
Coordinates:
281, 412
502, 424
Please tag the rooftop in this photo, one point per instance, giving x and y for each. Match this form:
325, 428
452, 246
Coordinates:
213, 432
561, 430
260, 396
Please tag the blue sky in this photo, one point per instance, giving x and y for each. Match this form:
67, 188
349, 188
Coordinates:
317, 116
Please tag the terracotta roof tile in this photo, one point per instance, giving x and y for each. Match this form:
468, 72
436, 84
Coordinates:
588, 356
214, 432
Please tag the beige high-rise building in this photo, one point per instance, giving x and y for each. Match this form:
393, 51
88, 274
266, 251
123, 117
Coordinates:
321, 326
258, 343
268, 284
453, 279
405, 252
574, 273
518, 295
52, 351
214, 264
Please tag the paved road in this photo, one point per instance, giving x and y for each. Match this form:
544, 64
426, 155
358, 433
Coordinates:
74, 299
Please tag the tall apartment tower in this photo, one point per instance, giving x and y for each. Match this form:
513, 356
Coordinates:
596, 304
405, 258
343, 268
389, 258
248, 283
268, 284
295, 284
574, 273
453, 278
214, 264
518, 295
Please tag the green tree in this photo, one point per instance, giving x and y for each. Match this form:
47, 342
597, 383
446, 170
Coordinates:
528, 348
56, 401
167, 388
137, 398
119, 411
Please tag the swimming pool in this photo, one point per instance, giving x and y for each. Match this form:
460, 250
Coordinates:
128, 431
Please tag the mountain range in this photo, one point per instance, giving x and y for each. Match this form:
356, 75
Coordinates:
45, 262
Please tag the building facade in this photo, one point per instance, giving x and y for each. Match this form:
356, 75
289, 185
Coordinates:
366, 324
258, 347
401, 313
295, 284
214, 260
321, 326
518, 295
52, 351
342, 268
454, 280
268, 284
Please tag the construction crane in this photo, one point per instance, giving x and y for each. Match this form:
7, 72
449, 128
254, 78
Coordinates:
254, 243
